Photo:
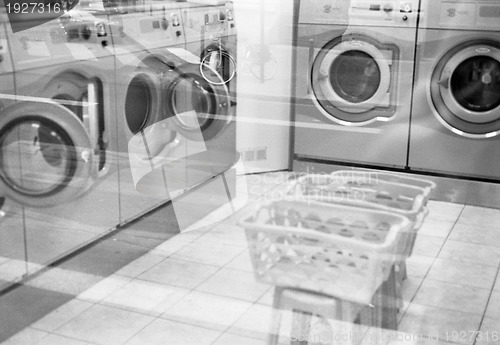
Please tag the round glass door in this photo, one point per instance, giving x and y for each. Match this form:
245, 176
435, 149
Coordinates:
45, 154
198, 104
349, 79
354, 76
475, 84
36, 157
466, 89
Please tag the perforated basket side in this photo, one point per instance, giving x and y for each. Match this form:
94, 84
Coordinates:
359, 191
426, 185
347, 268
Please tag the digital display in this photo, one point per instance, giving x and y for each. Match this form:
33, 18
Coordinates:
489, 11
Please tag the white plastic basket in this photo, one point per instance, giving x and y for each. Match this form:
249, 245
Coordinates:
426, 185
339, 250
364, 189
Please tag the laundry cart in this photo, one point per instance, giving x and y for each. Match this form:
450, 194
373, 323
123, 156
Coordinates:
390, 192
325, 260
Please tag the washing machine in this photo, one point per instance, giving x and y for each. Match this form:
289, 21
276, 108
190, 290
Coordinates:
58, 138
354, 74
12, 249
174, 123
211, 37
211, 40
456, 105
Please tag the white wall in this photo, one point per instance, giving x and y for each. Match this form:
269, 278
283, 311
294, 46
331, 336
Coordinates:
264, 105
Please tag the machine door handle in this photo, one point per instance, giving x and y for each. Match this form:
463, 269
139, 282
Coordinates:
444, 82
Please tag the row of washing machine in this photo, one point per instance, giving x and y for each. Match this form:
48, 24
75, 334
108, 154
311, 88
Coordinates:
404, 84
106, 113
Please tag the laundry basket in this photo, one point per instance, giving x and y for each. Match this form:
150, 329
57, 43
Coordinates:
366, 190
426, 185
343, 251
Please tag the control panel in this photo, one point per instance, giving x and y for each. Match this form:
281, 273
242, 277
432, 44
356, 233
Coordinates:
461, 14
210, 23
78, 26
155, 25
398, 13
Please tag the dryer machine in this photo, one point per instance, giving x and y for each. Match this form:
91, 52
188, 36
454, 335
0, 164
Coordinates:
354, 73
456, 106
57, 141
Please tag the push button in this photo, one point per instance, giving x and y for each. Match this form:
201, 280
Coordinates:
406, 7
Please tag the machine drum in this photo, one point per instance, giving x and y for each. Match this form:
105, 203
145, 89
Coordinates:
475, 84
138, 103
46, 157
355, 76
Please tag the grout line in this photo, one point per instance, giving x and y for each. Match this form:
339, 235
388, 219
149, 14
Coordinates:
430, 267
488, 302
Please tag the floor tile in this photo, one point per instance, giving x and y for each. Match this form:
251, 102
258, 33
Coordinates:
232, 235
452, 296
427, 245
104, 288
470, 252
27, 336
145, 297
493, 310
438, 323
24, 305
207, 310
480, 216
208, 253
409, 289
235, 284
165, 332
418, 265
54, 339
489, 333
181, 273
465, 273
61, 315
437, 228
231, 339
476, 234
267, 298
254, 323
444, 211
241, 262
141, 265
105, 325
64, 281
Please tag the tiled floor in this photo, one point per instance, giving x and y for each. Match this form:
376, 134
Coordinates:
198, 288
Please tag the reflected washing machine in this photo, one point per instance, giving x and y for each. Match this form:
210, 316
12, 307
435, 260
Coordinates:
456, 107
58, 139
12, 249
176, 121
354, 73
